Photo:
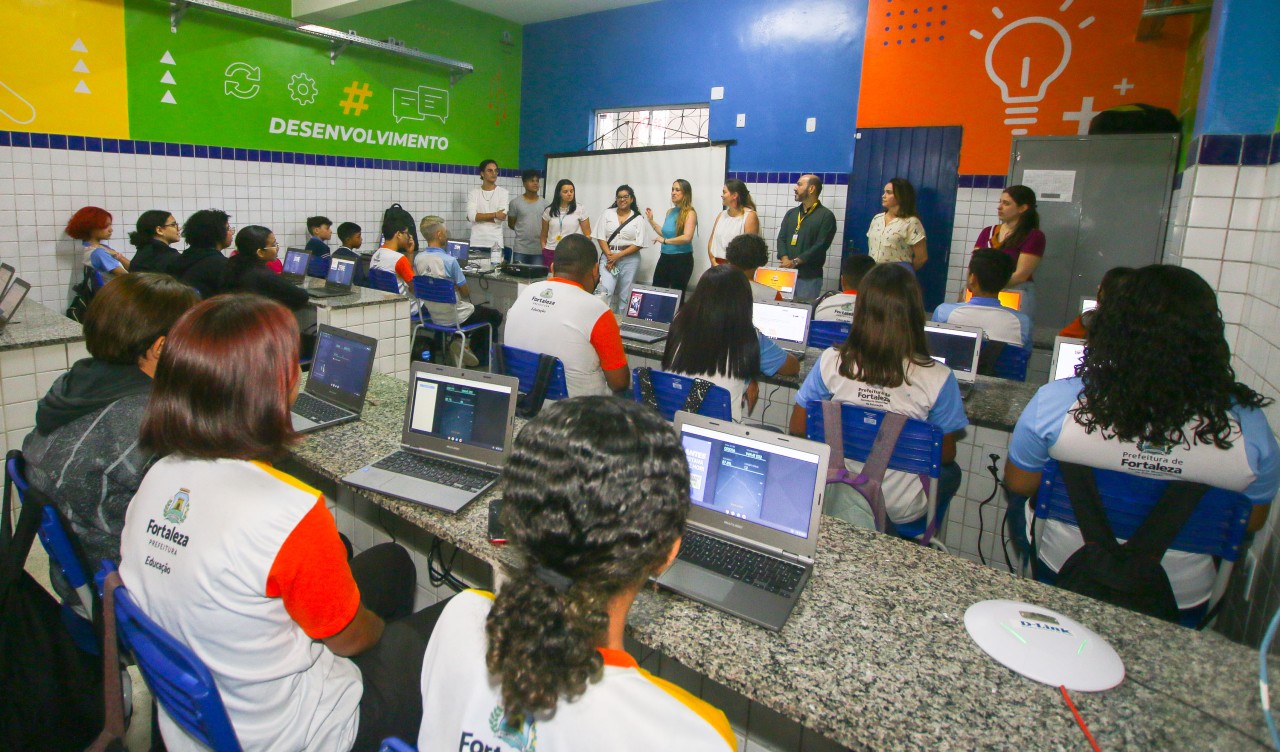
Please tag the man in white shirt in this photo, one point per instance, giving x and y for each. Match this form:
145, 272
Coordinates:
989, 272
838, 305
561, 317
432, 261
487, 208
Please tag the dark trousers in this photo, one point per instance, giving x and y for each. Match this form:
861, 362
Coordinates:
391, 670
673, 271
478, 341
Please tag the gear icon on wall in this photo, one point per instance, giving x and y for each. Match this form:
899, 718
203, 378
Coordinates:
302, 88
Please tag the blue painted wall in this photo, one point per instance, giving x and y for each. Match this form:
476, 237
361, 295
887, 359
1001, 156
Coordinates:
1240, 86
779, 61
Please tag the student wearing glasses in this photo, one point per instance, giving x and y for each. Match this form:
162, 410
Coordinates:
248, 270
154, 237
620, 235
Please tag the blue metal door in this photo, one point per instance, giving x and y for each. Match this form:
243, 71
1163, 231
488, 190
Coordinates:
930, 159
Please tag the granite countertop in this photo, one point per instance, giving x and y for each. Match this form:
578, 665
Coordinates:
35, 325
994, 403
876, 656
359, 296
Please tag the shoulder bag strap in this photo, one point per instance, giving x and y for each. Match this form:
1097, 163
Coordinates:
1156, 533
16, 542
112, 735
634, 214
833, 428
693, 402
1086, 504
647, 395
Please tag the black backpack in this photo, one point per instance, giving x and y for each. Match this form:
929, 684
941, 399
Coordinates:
81, 297
1127, 575
1134, 118
398, 213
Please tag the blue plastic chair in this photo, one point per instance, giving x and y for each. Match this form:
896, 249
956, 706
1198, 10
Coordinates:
918, 451
381, 279
443, 291
1004, 361
57, 543
318, 266
1217, 526
178, 679
395, 744
824, 334
523, 364
672, 391
96, 282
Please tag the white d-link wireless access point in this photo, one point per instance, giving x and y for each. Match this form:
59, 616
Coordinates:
1044, 645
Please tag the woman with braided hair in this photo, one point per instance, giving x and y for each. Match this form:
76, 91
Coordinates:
595, 497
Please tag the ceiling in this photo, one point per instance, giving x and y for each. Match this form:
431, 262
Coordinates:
536, 11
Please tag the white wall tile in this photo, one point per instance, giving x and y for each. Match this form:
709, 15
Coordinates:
1215, 180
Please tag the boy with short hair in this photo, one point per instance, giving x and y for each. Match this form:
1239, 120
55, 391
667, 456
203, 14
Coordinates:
319, 230
989, 272
746, 253
838, 305
349, 236
524, 215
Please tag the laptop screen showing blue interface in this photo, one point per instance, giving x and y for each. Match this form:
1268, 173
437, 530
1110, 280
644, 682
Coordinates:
652, 305
751, 480
466, 412
457, 249
341, 272
295, 261
341, 363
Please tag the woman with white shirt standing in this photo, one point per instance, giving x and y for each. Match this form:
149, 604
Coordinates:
620, 235
561, 218
896, 235
738, 218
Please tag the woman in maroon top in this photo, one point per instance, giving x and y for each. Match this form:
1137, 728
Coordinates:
1018, 236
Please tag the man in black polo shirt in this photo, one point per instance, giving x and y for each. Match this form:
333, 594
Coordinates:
805, 236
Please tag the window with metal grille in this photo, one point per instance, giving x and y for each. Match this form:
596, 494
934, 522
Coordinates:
657, 126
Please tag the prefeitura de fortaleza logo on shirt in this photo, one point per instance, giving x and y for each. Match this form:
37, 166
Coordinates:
175, 510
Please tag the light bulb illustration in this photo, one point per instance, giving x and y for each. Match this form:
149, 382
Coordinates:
1022, 64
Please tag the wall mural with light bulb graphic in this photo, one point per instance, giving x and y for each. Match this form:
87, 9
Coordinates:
1008, 68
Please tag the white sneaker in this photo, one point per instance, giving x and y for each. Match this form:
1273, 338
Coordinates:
469, 359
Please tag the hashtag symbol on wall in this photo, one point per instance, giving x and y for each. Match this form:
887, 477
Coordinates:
356, 94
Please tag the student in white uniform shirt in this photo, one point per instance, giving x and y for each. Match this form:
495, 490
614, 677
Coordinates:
712, 338
562, 217
838, 305
620, 234
487, 208
1156, 390
594, 498
885, 365
989, 272
746, 253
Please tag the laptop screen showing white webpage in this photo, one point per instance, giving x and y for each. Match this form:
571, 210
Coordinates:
785, 323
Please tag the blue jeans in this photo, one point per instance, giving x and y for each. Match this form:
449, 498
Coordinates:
808, 289
616, 291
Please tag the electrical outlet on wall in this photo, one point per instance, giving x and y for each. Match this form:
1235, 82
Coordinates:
742, 120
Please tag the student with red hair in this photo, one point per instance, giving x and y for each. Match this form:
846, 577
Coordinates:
92, 225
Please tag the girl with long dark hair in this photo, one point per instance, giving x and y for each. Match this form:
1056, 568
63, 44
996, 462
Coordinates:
248, 270
896, 235
156, 232
562, 217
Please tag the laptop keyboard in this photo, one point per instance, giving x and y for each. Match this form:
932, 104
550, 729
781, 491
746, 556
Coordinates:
318, 411
743, 564
641, 331
437, 471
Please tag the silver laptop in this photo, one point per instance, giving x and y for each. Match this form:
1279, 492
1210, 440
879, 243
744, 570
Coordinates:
7, 273
458, 249
339, 380
784, 323
756, 498
1068, 352
295, 266
456, 439
342, 272
957, 347
11, 299
649, 313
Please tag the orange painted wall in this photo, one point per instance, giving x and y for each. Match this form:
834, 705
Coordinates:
925, 63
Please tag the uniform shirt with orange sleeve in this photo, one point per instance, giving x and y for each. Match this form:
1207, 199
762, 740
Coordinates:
625, 710
243, 564
557, 317
398, 264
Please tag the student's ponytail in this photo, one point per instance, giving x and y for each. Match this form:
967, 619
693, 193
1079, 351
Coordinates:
595, 497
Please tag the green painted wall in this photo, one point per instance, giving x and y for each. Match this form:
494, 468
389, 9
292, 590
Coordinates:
243, 84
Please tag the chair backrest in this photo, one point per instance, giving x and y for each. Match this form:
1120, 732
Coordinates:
919, 447
1217, 526
435, 290
318, 266
178, 679
53, 536
95, 279
361, 277
381, 279
672, 391
395, 744
827, 333
1004, 361
523, 364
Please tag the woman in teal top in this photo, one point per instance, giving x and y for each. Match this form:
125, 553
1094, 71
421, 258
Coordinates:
675, 265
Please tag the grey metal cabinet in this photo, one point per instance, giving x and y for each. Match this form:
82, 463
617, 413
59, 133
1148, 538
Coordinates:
1117, 214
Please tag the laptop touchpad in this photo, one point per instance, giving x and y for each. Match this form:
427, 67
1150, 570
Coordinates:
706, 584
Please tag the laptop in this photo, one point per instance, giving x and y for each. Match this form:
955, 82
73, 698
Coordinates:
1008, 298
782, 280
458, 249
649, 313
1088, 304
342, 272
339, 380
7, 273
456, 439
295, 266
784, 323
957, 347
11, 299
756, 498
1068, 352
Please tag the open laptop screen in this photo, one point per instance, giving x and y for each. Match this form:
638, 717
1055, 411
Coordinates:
341, 364
754, 481
341, 272
781, 322
458, 249
460, 410
1088, 304
653, 305
13, 298
782, 280
295, 261
957, 349
6, 276
1067, 354
1008, 298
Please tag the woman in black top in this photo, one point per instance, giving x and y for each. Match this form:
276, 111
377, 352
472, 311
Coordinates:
157, 232
247, 270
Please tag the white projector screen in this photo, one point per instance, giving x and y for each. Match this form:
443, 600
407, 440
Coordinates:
650, 173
